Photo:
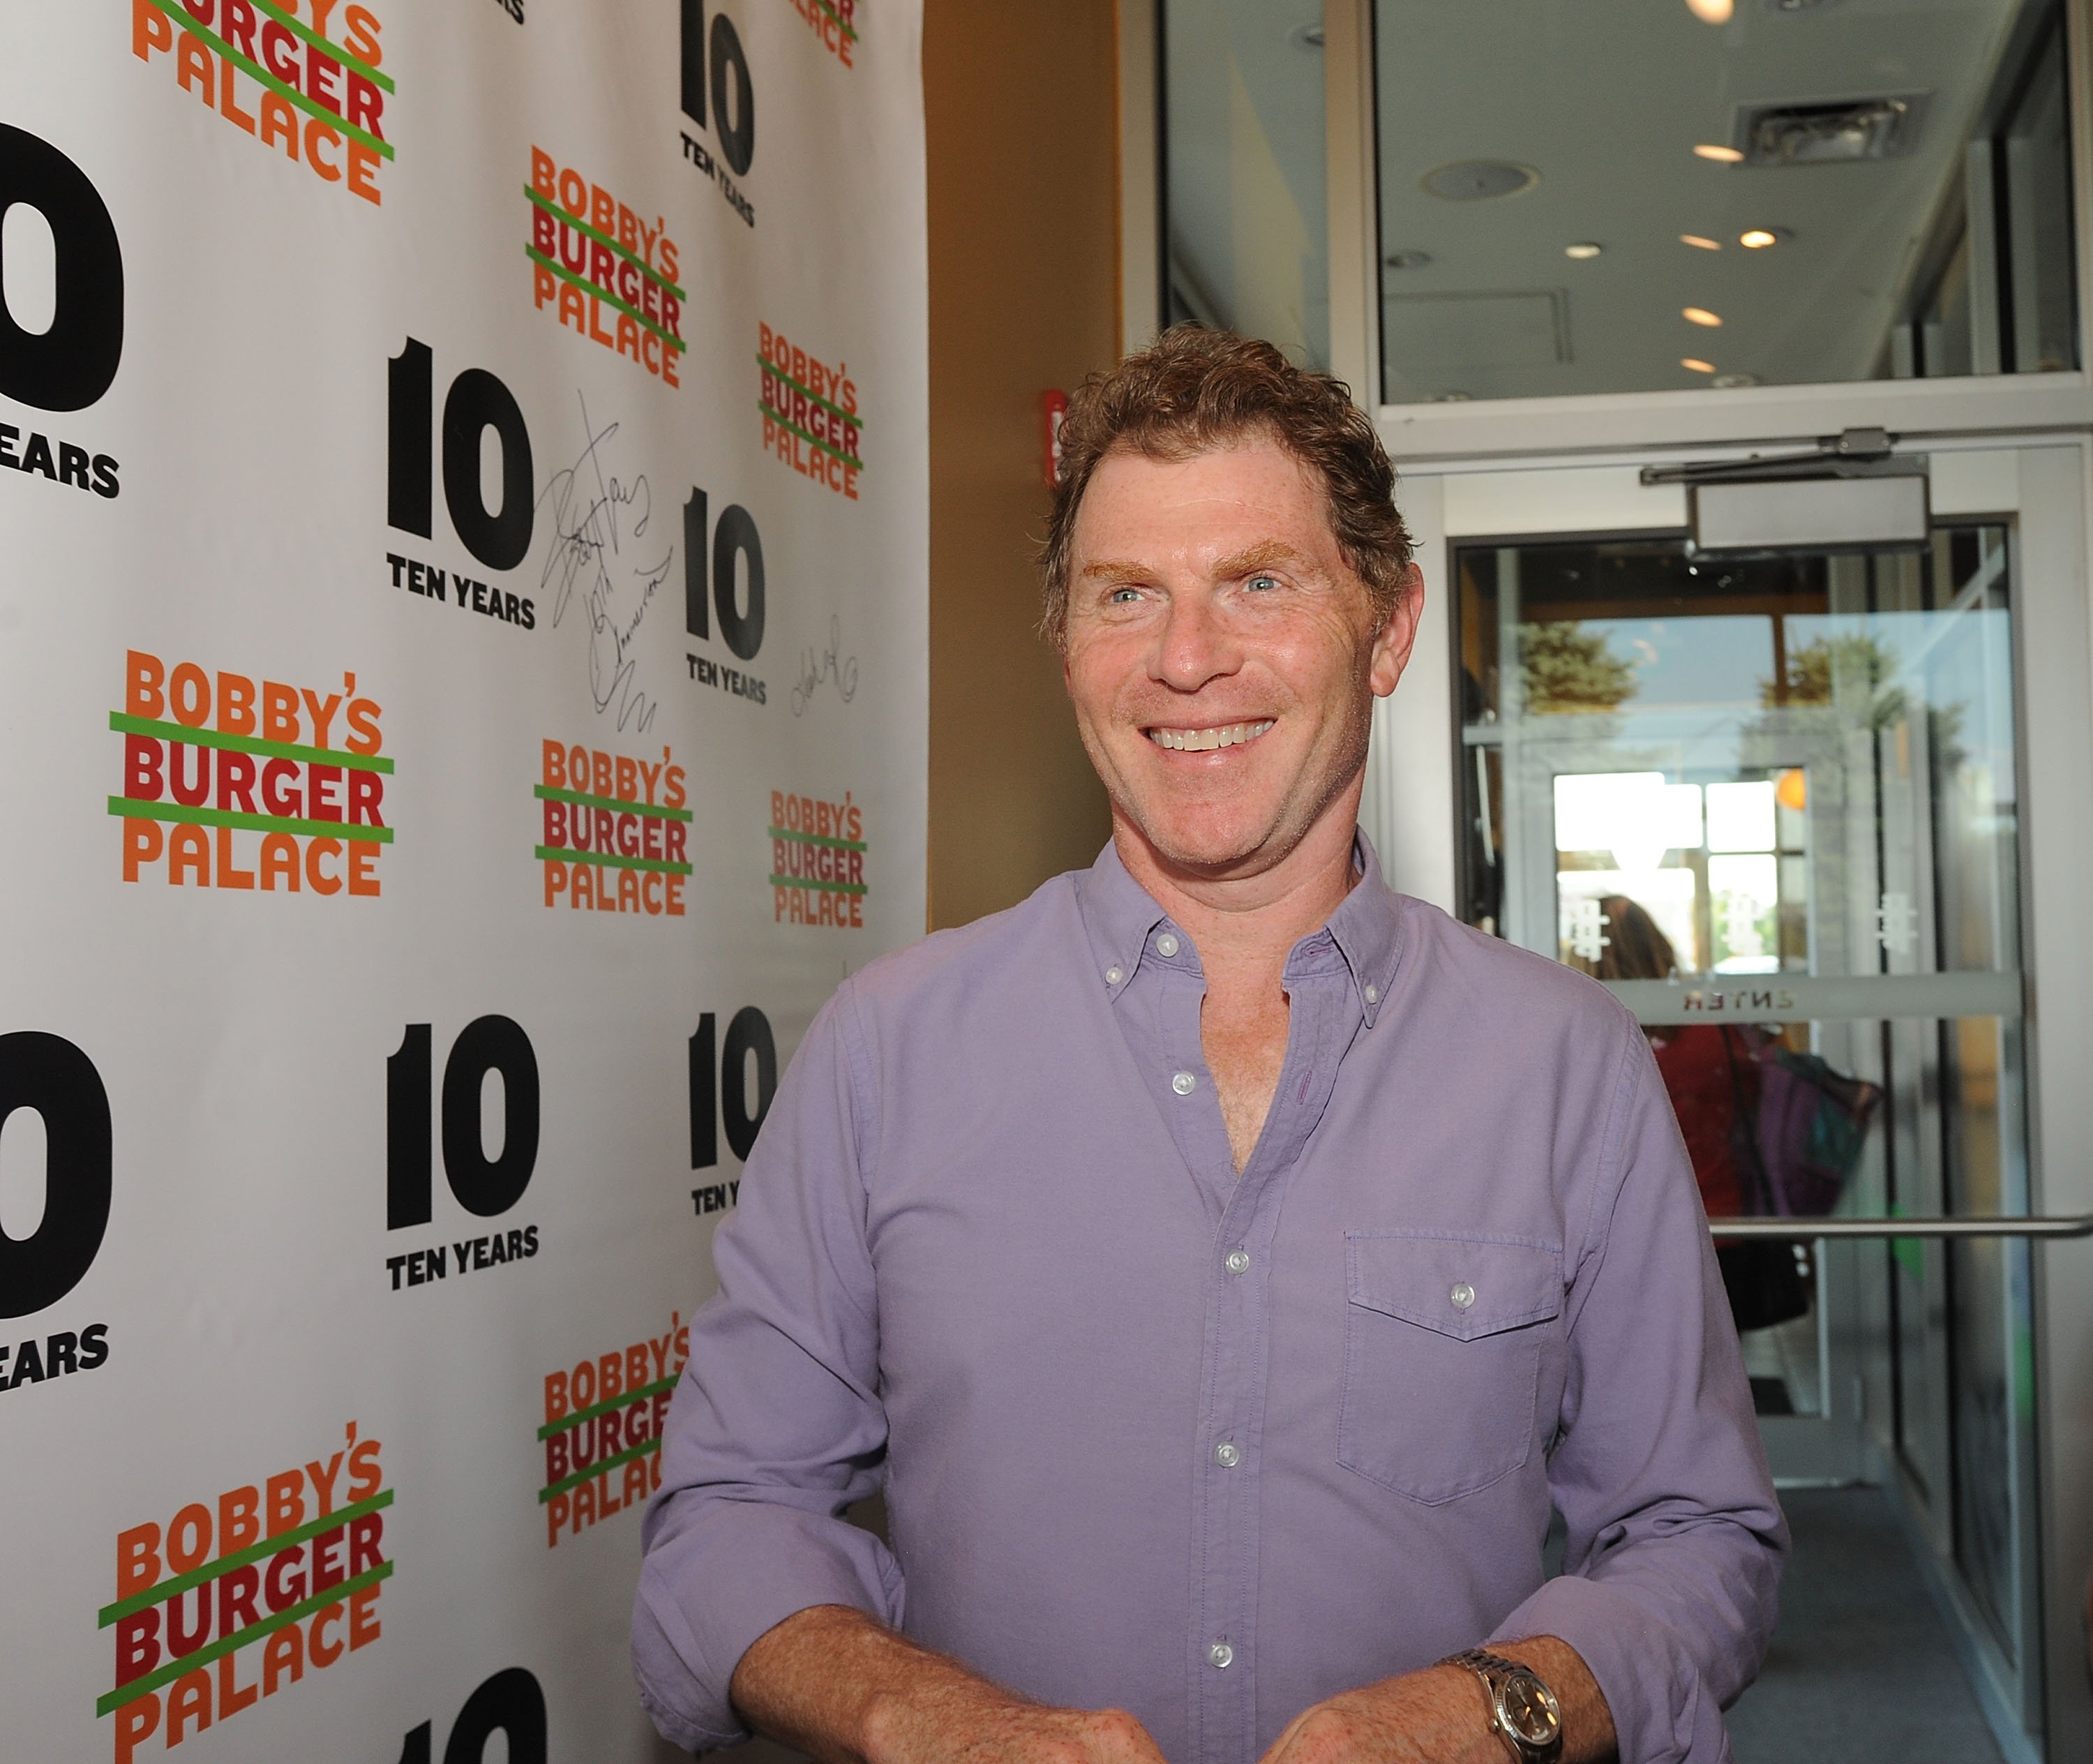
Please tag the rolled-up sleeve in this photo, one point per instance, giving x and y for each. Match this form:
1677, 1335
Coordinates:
1676, 1541
776, 1424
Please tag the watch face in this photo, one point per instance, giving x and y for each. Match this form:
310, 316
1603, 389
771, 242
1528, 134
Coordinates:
1529, 1709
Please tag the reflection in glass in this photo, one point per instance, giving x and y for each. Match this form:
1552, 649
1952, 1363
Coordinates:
1246, 227
1758, 775
1632, 195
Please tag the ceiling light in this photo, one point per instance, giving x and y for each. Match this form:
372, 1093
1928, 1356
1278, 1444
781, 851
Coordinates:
1758, 238
1728, 156
1307, 36
1407, 260
1581, 252
1728, 381
1479, 180
1699, 315
1698, 243
1712, 11
1696, 364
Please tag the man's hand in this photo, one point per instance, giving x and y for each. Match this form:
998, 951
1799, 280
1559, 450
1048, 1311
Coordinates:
834, 1684
1441, 1715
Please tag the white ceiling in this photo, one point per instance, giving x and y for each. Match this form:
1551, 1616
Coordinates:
1605, 99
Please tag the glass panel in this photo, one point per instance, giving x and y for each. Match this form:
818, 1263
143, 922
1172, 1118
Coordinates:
1772, 803
1246, 221
1638, 195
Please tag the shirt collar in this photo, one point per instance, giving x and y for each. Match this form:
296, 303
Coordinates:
1121, 917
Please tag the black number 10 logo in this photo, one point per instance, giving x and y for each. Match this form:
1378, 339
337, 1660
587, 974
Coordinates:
484, 1186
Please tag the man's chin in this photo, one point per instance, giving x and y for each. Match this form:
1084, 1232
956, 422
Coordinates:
1207, 850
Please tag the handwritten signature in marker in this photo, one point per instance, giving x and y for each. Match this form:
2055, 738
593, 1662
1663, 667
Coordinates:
599, 521
819, 668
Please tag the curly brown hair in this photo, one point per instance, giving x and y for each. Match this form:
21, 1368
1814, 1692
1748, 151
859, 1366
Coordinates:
1193, 390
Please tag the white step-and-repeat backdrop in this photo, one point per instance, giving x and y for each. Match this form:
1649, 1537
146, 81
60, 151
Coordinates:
463, 535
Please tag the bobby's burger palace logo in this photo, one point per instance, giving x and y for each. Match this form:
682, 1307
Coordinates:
238, 1599
603, 270
233, 783
602, 1431
288, 81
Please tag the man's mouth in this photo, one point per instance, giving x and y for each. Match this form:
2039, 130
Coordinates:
1206, 740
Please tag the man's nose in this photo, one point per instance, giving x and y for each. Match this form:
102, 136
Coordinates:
1195, 645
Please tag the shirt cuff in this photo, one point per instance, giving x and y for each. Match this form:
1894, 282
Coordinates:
698, 1609
1662, 1712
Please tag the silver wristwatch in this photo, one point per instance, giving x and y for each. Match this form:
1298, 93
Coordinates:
1523, 1711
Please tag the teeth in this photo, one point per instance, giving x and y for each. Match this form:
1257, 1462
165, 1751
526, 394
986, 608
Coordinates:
1205, 740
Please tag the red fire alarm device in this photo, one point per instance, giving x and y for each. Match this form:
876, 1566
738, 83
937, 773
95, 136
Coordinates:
1053, 407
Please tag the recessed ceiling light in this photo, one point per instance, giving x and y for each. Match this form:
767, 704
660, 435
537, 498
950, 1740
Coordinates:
1698, 243
1758, 238
1696, 364
1712, 11
1728, 156
1407, 260
1580, 252
1699, 315
1479, 180
1727, 382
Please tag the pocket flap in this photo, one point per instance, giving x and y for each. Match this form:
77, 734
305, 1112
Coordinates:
1461, 1286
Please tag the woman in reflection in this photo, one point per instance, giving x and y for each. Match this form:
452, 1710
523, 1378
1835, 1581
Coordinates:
1713, 1080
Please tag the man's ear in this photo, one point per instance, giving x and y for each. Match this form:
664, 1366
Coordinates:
1398, 634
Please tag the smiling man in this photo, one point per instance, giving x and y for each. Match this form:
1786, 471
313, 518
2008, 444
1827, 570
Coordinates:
1221, 1262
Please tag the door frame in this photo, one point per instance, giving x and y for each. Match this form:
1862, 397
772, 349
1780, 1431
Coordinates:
2044, 483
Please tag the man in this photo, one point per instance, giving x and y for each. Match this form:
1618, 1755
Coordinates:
1219, 1261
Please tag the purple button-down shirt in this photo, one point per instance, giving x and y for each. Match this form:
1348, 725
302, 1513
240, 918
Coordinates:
1204, 1446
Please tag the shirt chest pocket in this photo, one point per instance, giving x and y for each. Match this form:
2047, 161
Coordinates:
1442, 1358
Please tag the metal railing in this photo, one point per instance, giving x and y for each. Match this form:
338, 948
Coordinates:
1802, 1230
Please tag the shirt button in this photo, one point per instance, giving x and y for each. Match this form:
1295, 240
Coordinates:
1113, 976
1220, 1654
1166, 945
1463, 1296
1228, 1455
1237, 1262
1373, 993
1184, 1084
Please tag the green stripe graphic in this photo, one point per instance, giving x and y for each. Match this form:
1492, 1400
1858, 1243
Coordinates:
580, 1476
550, 795
211, 1570
211, 1650
290, 23
275, 750
817, 838
603, 294
176, 11
786, 423
632, 258
832, 12
130, 809
607, 1405
775, 372
810, 882
614, 860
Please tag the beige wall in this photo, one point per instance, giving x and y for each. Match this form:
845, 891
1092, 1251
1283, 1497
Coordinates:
1021, 114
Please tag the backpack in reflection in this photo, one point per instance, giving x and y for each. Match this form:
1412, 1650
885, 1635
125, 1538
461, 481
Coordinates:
1809, 1126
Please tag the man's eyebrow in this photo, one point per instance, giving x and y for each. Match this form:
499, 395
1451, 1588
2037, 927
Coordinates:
1116, 572
1261, 556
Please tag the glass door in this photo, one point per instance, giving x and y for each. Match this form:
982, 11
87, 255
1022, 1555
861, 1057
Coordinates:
1774, 804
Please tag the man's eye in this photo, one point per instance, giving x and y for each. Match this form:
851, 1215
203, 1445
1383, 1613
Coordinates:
1122, 596
1260, 582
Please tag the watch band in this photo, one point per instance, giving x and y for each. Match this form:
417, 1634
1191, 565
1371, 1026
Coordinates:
1494, 1672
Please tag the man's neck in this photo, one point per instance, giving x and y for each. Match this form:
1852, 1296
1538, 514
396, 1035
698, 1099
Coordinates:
1244, 925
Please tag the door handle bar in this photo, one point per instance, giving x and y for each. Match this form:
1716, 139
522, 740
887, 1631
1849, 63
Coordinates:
1794, 1230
